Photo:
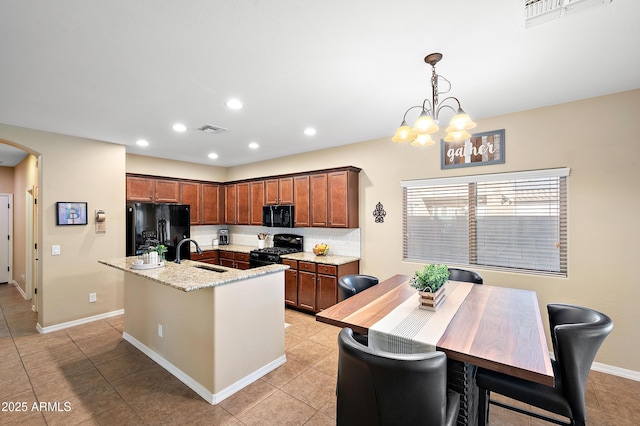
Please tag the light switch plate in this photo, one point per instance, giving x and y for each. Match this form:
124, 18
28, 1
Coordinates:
55, 250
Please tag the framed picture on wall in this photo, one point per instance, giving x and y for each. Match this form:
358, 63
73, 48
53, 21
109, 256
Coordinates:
71, 213
481, 149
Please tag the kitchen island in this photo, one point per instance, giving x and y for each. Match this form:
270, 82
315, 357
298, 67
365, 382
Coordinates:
216, 329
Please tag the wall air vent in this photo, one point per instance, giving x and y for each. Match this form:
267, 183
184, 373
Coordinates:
538, 12
210, 128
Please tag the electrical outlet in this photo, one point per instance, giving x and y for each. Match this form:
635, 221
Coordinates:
159, 330
92, 297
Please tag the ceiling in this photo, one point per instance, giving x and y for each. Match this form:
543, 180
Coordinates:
122, 70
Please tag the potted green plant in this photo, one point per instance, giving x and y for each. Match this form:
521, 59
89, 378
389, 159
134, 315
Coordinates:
430, 281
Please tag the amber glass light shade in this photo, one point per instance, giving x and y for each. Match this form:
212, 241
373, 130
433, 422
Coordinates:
457, 136
425, 124
404, 134
423, 139
460, 122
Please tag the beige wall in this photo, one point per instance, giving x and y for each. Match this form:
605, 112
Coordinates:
176, 169
596, 138
6, 180
76, 169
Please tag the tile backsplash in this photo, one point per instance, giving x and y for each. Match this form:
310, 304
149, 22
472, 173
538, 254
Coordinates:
342, 242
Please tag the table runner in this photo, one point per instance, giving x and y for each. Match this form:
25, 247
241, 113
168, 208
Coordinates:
409, 329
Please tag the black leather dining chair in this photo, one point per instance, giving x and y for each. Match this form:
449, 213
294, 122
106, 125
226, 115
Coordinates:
350, 285
576, 334
465, 275
381, 388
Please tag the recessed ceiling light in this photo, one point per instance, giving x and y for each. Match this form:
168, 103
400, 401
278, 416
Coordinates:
142, 142
179, 127
254, 145
213, 155
309, 131
234, 104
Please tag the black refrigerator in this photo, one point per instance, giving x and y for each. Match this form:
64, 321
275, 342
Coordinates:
152, 224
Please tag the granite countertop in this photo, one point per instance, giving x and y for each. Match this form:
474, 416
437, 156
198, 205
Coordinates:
185, 277
328, 259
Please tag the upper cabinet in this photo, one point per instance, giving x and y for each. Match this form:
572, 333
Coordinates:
191, 194
212, 204
324, 198
151, 190
278, 191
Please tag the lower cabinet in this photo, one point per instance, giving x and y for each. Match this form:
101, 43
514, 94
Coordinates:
232, 259
207, 256
314, 286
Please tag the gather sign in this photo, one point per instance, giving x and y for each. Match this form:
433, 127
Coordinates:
479, 150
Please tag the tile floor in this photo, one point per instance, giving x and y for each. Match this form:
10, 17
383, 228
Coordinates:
106, 381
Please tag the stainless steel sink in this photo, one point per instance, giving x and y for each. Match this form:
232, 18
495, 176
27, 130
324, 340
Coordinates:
210, 268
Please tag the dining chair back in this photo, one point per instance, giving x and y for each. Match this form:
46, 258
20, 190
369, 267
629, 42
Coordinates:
381, 388
465, 275
350, 285
576, 334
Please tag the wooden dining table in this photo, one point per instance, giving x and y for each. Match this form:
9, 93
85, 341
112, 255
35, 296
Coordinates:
495, 328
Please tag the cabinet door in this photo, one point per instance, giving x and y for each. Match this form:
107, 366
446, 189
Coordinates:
342, 200
140, 189
301, 201
257, 201
242, 204
318, 203
229, 263
212, 203
327, 291
291, 287
307, 290
167, 191
230, 203
271, 191
285, 191
190, 193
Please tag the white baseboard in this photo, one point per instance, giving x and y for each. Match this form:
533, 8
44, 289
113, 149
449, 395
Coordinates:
616, 371
61, 326
206, 394
16, 285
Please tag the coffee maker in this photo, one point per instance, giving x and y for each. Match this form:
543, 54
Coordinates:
223, 237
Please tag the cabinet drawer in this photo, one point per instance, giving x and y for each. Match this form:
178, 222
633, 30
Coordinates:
307, 266
327, 269
226, 254
293, 264
241, 256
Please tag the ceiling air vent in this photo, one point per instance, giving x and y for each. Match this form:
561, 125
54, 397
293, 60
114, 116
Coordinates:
210, 128
538, 12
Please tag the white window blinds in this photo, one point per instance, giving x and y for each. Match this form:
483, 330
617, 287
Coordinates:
515, 221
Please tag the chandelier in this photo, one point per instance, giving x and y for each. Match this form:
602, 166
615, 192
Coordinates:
427, 122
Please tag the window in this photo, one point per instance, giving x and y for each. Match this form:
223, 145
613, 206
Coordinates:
510, 221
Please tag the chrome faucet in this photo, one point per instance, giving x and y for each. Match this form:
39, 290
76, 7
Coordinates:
180, 245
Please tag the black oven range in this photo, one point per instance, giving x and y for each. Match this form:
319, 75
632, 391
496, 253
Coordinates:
282, 244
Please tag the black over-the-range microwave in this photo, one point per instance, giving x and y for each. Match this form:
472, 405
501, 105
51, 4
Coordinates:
277, 216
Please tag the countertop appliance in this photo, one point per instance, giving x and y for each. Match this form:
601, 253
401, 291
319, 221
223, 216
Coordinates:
151, 224
277, 216
223, 237
282, 244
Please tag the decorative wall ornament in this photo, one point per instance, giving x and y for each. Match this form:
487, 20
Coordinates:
480, 149
379, 213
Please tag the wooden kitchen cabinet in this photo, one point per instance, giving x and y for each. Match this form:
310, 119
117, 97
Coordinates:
207, 256
232, 259
278, 191
212, 204
191, 194
301, 201
243, 203
342, 199
307, 285
318, 199
230, 196
257, 190
150, 190
291, 282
